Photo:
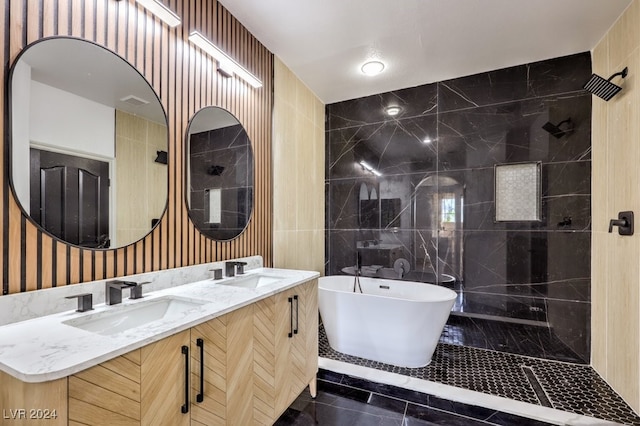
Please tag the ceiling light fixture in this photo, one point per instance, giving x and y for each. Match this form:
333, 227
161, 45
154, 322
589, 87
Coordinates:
393, 110
161, 11
226, 65
372, 68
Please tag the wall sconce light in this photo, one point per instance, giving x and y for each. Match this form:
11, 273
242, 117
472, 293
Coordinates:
161, 157
161, 11
226, 65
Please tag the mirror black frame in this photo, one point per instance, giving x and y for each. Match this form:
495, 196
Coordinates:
216, 170
8, 138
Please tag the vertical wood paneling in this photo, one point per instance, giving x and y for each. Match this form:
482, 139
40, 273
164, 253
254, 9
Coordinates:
185, 80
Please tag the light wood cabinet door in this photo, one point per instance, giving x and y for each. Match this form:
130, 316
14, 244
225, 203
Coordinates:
308, 333
222, 356
143, 387
164, 395
107, 394
285, 349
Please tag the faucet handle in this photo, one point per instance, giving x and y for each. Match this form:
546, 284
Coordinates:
136, 289
217, 273
240, 267
85, 301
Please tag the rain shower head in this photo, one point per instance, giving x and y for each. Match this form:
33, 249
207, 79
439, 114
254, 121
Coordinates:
555, 129
604, 88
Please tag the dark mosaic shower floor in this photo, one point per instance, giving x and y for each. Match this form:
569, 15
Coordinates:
564, 386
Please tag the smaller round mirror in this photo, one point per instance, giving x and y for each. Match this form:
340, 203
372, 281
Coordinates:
219, 174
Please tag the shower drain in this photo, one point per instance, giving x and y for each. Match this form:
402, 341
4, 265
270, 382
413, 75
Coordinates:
536, 386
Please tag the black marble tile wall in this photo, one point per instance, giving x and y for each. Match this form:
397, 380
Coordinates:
426, 191
219, 159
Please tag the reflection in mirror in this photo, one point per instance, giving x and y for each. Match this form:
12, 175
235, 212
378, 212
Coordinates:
439, 206
219, 182
85, 130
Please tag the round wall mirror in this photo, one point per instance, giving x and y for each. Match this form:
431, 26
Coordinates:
219, 174
88, 144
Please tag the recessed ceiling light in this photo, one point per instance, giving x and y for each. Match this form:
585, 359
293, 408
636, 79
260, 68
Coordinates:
372, 67
392, 110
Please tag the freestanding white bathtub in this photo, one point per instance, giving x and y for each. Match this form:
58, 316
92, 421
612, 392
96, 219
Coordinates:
394, 322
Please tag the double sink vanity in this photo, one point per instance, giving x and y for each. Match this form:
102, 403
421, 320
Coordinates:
192, 350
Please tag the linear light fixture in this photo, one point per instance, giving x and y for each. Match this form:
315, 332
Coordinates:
371, 169
161, 11
226, 65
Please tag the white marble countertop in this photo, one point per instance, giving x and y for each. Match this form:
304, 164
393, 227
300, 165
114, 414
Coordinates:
45, 348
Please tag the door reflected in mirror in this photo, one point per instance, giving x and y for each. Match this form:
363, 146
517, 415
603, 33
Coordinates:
219, 174
86, 128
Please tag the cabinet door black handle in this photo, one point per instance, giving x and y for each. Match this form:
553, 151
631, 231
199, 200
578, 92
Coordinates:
290, 317
295, 330
200, 344
185, 407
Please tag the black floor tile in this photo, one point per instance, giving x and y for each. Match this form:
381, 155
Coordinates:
330, 376
388, 390
345, 405
418, 415
328, 409
506, 419
472, 411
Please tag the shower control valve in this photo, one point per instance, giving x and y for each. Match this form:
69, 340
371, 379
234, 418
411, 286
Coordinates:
624, 222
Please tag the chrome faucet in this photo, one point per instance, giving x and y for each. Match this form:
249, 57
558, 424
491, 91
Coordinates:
113, 291
233, 267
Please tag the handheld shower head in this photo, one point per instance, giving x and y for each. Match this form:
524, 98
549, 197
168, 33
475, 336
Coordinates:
555, 130
604, 88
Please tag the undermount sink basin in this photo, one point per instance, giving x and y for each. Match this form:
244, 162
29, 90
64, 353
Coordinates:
254, 280
126, 317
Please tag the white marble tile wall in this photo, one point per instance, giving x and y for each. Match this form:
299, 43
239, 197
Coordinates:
33, 304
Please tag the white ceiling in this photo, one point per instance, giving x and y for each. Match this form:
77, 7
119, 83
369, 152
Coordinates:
92, 72
324, 42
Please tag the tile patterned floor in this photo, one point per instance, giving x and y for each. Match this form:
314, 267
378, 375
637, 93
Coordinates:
570, 387
345, 400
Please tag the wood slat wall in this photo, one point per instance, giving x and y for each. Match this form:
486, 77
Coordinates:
185, 80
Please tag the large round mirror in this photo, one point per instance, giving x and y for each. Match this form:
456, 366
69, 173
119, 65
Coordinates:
88, 144
219, 174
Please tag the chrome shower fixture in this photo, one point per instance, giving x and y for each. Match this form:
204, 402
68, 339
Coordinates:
555, 130
604, 88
